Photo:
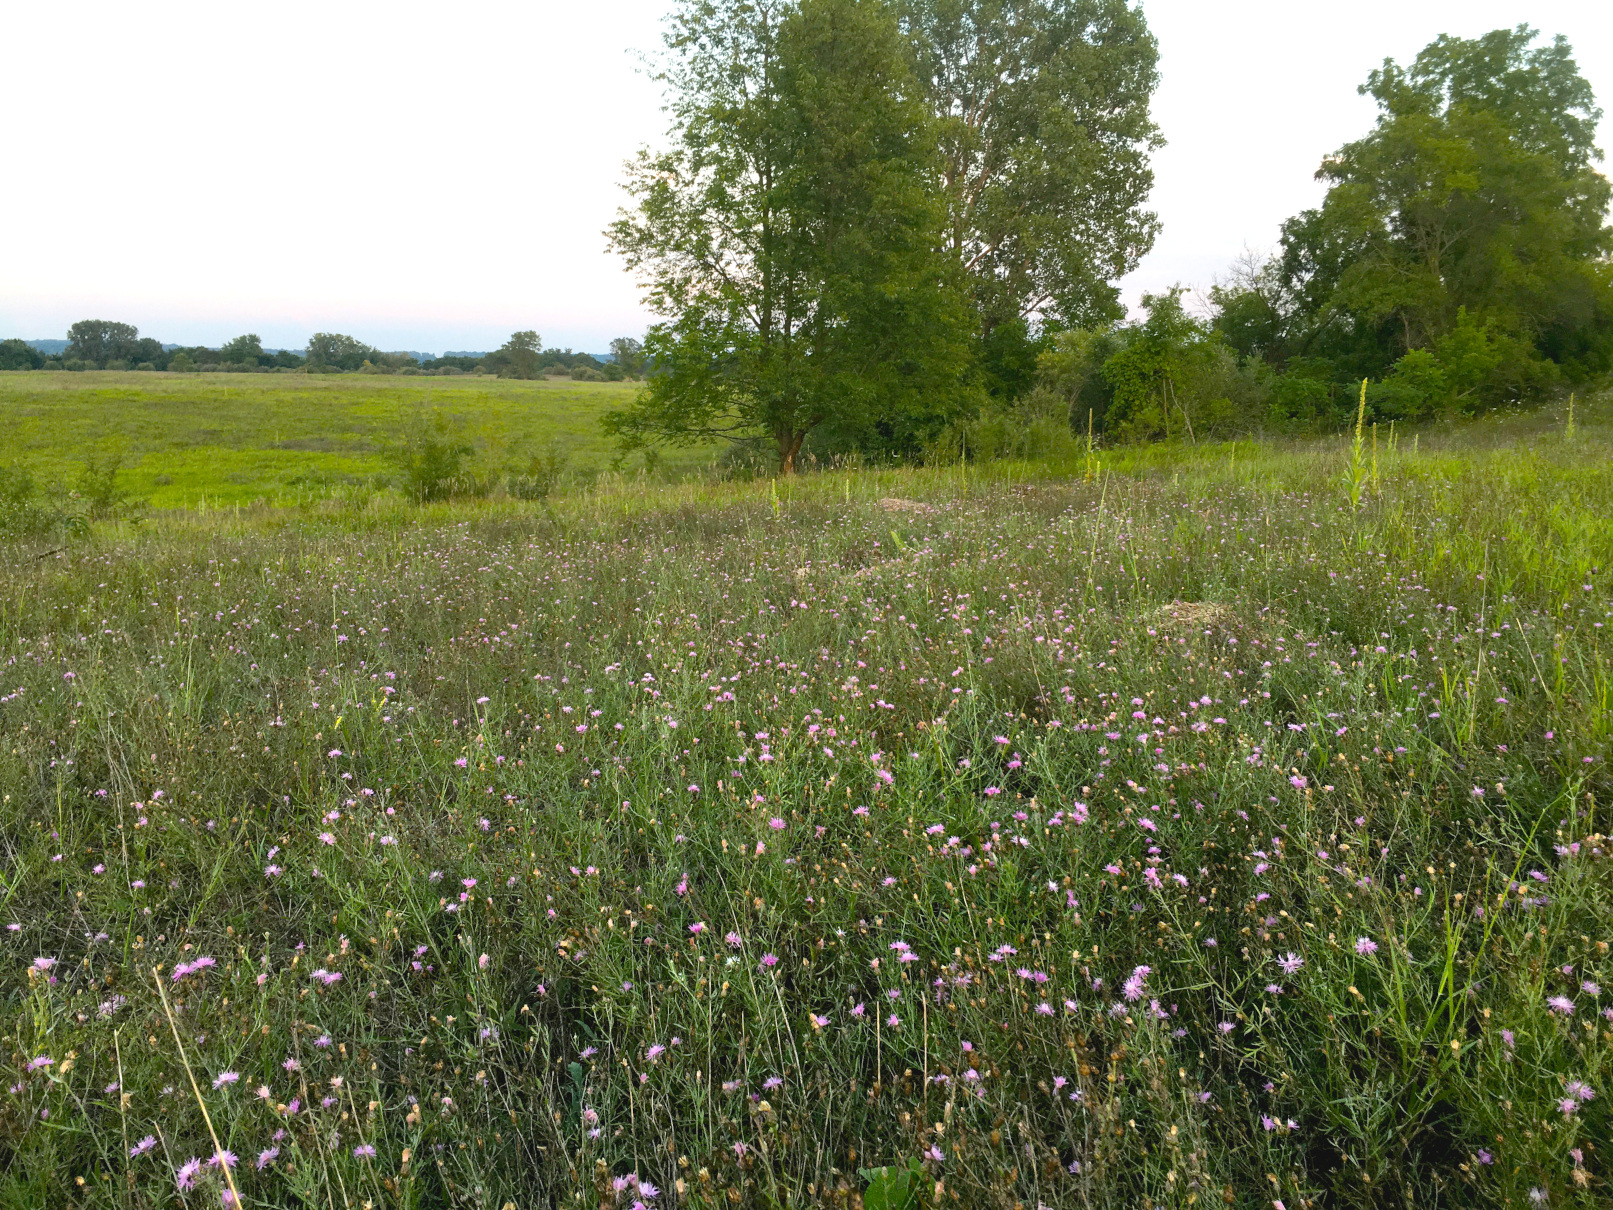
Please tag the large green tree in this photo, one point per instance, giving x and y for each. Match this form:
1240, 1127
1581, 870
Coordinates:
628, 353
333, 350
19, 355
1469, 226
1042, 118
99, 341
790, 236
519, 357
243, 350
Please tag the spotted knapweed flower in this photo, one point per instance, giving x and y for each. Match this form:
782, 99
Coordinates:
1132, 990
185, 1175
1366, 946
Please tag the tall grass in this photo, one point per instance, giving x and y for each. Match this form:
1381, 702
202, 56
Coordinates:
1184, 834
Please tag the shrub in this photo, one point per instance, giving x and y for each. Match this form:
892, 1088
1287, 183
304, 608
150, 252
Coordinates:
430, 459
1036, 427
543, 474
98, 482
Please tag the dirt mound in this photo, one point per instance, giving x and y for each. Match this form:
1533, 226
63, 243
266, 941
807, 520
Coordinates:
896, 504
1180, 619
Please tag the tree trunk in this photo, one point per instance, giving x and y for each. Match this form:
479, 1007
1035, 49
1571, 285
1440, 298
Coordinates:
789, 444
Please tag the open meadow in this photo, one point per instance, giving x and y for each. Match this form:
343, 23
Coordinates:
211, 440
1210, 827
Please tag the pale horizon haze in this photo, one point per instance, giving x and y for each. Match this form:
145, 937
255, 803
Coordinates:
433, 177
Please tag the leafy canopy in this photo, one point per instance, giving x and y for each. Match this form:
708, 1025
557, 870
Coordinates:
1468, 226
789, 236
1041, 116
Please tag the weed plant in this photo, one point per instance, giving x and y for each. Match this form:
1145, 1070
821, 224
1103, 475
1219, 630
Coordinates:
1185, 834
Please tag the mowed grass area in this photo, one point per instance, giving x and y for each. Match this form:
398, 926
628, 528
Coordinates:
1182, 835
227, 439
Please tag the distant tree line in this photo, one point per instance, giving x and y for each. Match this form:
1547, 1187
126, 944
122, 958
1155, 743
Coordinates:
98, 344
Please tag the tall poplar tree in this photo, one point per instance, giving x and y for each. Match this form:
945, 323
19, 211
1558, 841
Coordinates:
790, 236
1042, 120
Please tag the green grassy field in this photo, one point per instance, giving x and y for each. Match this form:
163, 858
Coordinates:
1206, 827
227, 439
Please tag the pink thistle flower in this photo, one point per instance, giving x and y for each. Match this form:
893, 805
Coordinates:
1133, 987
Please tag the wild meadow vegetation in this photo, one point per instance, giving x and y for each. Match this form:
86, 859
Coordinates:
1173, 827
212, 440
1100, 783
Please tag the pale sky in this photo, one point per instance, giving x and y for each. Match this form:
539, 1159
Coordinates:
433, 176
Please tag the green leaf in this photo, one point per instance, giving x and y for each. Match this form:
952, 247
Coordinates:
891, 1187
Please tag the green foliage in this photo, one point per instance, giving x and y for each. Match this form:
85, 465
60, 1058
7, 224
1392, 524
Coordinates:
628, 354
99, 341
1173, 377
430, 457
544, 473
1008, 354
329, 351
98, 484
1469, 224
1034, 427
788, 238
1041, 116
893, 1187
243, 350
19, 355
520, 356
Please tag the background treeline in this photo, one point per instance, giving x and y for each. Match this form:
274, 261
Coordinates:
1458, 263
894, 229
98, 344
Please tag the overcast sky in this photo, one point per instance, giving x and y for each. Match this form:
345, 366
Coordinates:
434, 176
